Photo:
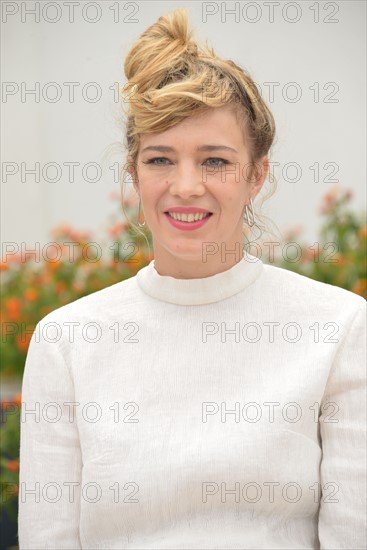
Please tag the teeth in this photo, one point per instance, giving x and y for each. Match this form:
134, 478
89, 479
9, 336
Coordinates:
188, 217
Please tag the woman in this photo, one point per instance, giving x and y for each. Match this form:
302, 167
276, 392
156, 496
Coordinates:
211, 401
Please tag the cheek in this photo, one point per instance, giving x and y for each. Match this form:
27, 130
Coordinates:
234, 197
152, 190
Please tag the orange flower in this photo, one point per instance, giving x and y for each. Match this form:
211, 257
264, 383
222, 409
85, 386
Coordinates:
13, 307
362, 233
340, 259
46, 309
136, 260
45, 278
53, 266
23, 341
12, 465
64, 230
77, 286
3, 266
12, 303
65, 251
18, 399
309, 255
31, 294
79, 237
334, 196
360, 287
60, 286
328, 202
16, 259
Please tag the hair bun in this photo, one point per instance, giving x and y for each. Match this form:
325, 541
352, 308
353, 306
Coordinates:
162, 47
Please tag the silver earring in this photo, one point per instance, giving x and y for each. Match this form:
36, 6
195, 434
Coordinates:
140, 224
249, 215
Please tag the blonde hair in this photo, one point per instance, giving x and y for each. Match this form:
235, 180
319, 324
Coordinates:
170, 77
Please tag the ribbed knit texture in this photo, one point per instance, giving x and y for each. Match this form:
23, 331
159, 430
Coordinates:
226, 412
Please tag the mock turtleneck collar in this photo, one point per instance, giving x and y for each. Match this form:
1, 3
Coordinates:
204, 290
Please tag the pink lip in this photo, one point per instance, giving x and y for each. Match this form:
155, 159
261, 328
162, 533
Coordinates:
187, 209
186, 226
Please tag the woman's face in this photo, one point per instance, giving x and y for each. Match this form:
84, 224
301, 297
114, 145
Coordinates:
202, 163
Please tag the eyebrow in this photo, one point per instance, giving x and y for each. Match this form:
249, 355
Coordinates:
167, 149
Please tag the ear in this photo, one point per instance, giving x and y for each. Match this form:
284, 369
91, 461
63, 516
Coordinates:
260, 172
132, 170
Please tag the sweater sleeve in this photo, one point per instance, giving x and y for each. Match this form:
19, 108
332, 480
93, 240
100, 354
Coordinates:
50, 454
342, 513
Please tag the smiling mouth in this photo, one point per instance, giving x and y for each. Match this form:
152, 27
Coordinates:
188, 218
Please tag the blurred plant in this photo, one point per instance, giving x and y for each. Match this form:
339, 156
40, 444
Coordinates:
30, 290
9, 456
338, 257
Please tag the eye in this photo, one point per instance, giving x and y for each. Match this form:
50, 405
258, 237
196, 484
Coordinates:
153, 161
223, 161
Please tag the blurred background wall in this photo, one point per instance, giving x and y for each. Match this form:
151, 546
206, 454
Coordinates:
308, 59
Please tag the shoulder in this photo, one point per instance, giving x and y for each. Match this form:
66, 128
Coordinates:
97, 305
303, 291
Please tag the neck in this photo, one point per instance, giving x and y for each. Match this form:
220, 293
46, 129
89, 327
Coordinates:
196, 290
212, 260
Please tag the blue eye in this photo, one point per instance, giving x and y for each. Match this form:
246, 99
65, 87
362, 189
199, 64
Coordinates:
224, 161
155, 159
152, 161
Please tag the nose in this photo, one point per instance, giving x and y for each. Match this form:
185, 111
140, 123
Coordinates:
187, 181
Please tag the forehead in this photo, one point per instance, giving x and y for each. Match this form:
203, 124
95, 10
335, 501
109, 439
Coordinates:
220, 124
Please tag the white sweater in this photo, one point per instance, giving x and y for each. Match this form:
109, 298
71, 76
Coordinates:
221, 412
